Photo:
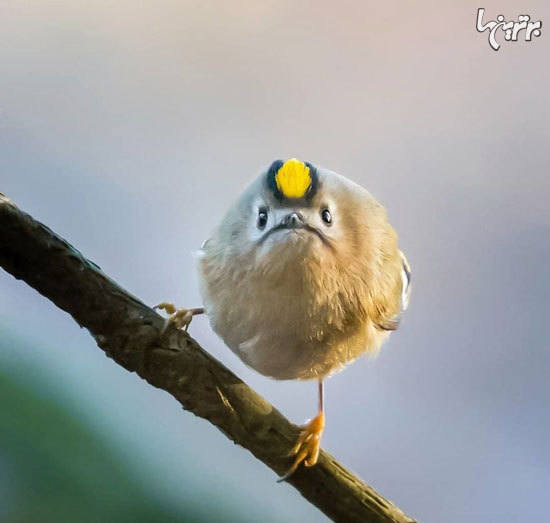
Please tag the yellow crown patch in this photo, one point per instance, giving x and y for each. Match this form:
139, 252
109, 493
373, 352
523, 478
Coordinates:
293, 178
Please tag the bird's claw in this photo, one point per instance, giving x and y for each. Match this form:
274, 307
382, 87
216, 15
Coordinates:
307, 447
180, 318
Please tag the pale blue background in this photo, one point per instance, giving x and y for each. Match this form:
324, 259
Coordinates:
129, 127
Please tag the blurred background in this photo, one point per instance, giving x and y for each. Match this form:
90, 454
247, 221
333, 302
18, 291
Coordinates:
128, 128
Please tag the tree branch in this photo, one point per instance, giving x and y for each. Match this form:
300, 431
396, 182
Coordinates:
128, 331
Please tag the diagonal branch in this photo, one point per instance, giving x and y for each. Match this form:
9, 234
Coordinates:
128, 331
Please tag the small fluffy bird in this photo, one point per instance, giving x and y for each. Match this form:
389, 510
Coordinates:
302, 276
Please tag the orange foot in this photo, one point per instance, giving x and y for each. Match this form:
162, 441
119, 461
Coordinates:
307, 446
179, 317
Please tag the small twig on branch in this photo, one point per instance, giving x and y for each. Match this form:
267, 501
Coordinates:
128, 331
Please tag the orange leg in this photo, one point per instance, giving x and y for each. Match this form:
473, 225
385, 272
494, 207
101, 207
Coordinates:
307, 447
179, 317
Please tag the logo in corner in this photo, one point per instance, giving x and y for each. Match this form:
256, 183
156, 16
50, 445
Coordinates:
510, 29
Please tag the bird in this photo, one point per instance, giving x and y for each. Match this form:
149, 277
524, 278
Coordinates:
302, 276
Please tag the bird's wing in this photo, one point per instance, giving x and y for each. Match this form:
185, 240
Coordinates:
392, 324
199, 253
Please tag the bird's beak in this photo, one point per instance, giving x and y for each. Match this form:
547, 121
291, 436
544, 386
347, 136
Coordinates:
293, 220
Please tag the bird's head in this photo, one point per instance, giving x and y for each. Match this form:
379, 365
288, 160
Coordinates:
290, 214
297, 223
296, 210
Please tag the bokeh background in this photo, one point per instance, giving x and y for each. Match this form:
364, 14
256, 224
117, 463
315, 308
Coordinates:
128, 127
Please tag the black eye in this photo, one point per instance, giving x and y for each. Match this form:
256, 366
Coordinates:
262, 218
326, 216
